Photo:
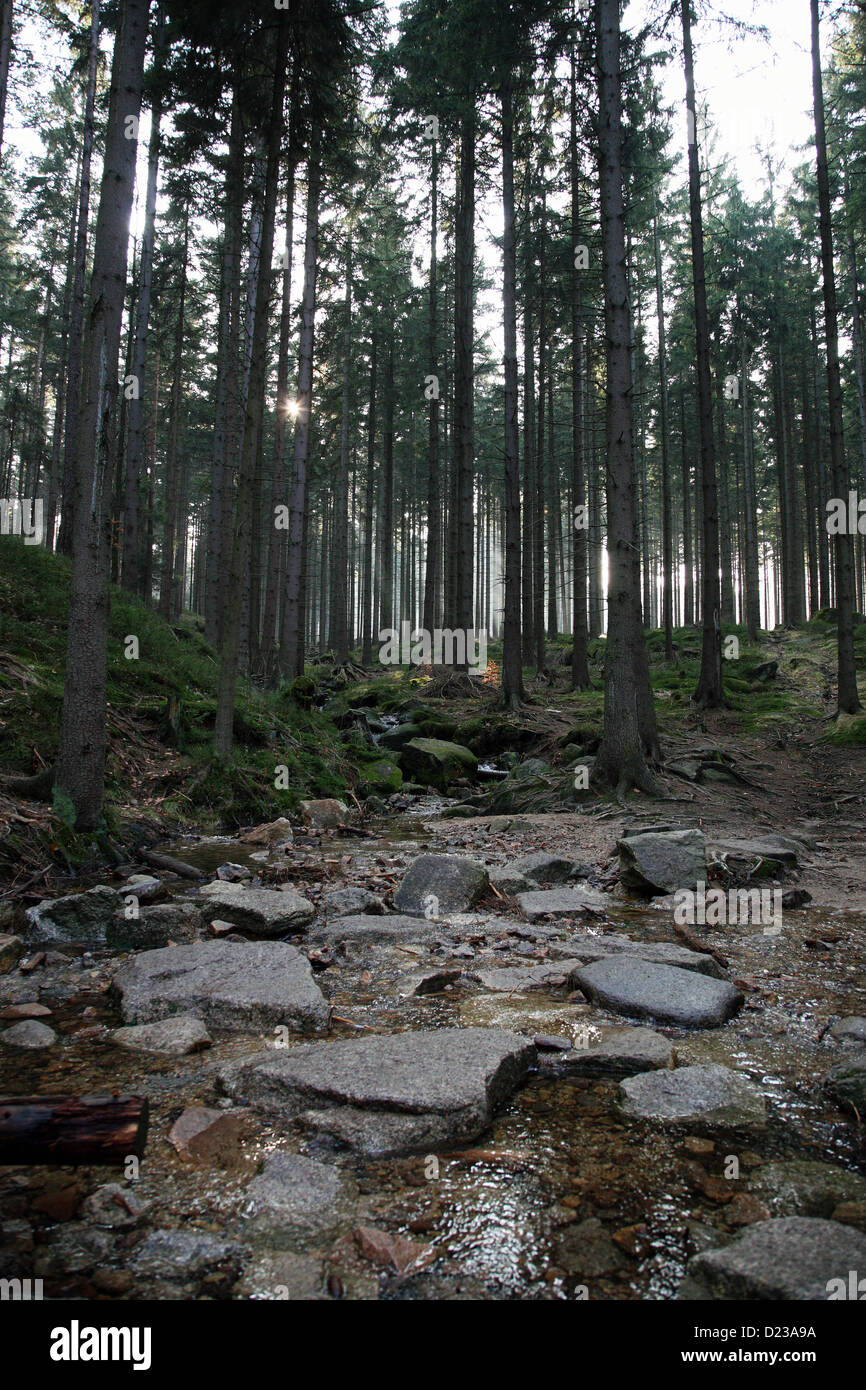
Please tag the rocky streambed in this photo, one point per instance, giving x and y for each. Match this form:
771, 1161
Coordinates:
419, 1058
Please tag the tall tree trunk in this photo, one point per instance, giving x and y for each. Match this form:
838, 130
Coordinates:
512, 671
255, 404
620, 759
709, 693
292, 660
579, 659
277, 551
665, 428
5, 57
367, 579
76, 324
221, 504
339, 618
172, 518
848, 698
434, 545
753, 577
81, 759
131, 572
464, 373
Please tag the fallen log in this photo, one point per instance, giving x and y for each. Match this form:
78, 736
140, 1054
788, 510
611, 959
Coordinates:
72, 1129
176, 866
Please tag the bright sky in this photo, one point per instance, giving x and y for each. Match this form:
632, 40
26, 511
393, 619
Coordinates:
757, 90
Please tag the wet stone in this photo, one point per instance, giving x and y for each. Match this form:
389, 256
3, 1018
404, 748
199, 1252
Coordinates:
243, 988
641, 989
849, 1030
367, 930
259, 911
801, 1187
620, 1052
30, 1034
294, 1197
153, 926
390, 1093
796, 1258
283, 1275
710, 1096
520, 979
182, 1256
175, 1037
76, 917
439, 884
346, 902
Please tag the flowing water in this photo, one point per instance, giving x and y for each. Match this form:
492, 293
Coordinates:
533, 1206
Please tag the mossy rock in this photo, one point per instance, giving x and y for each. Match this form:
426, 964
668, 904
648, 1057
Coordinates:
434, 726
303, 690
400, 735
487, 734
381, 778
437, 763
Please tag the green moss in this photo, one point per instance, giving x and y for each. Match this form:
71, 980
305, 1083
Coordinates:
167, 694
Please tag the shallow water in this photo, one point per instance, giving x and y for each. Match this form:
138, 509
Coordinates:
558, 1155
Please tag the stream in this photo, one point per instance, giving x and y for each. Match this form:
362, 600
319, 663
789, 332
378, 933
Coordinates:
563, 1198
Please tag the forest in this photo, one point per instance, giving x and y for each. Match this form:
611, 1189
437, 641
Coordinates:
433, 510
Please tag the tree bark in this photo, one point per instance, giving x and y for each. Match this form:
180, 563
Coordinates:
848, 698
255, 401
292, 657
709, 693
131, 571
81, 757
621, 760
512, 671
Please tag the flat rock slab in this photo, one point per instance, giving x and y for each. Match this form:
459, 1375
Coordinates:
619, 1052
519, 979
366, 930
801, 1187
231, 986
662, 861
710, 1095
260, 911
436, 884
391, 1093
778, 847
594, 948
640, 989
293, 1197
561, 902
796, 1258
174, 1037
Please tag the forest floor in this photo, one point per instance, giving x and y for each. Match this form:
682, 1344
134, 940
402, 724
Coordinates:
559, 1194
